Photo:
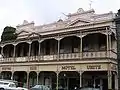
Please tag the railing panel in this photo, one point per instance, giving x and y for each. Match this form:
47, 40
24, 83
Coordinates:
113, 54
69, 56
21, 59
101, 54
34, 58
9, 59
48, 57
6, 59
1, 59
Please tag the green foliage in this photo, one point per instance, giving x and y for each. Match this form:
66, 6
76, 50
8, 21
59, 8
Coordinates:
118, 12
8, 34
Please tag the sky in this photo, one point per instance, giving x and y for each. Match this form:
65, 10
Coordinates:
14, 12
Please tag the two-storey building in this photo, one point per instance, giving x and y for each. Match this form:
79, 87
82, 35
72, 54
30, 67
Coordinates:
76, 52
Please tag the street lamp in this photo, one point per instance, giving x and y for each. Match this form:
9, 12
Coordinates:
64, 81
94, 84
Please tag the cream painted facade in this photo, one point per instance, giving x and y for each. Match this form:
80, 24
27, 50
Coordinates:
80, 48
63, 67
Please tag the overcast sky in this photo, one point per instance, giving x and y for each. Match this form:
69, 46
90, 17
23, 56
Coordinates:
13, 12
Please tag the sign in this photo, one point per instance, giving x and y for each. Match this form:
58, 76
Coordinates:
68, 68
6, 68
94, 67
33, 68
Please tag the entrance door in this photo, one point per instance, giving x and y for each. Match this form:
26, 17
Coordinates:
68, 80
73, 83
105, 84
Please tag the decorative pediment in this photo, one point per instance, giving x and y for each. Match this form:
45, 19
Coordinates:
79, 21
33, 34
23, 33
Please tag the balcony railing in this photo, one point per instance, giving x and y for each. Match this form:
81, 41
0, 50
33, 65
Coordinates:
33, 58
48, 57
69, 56
113, 54
21, 59
101, 54
7, 59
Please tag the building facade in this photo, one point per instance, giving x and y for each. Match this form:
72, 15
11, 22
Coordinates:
79, 51
117, 21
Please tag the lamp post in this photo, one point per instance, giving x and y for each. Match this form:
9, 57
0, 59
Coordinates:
94, 84
64, 81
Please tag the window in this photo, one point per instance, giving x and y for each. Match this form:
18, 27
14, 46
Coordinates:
12, 85
6, 83
1, 83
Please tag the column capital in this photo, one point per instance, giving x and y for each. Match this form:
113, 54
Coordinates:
37, 72
41, 40
80, 72
58, 38
108, 31
29, 42
27, 72
57, 72
2, 46
14, 44
12, 71
109, 75
81, 36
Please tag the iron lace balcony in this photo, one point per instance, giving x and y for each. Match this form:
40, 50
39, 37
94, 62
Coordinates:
64, 56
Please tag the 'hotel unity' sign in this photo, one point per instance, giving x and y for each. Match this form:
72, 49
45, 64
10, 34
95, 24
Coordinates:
93, 66
69, 67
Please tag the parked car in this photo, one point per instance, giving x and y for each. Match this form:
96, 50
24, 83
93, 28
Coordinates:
9, 85
40, 87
